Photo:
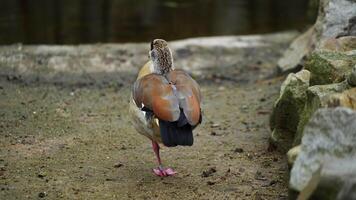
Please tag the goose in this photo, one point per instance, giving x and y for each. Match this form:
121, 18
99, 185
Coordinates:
165, 103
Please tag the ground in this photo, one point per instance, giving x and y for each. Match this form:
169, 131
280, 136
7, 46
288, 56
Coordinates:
75, 141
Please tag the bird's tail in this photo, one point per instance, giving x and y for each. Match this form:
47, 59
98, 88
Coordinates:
173, 134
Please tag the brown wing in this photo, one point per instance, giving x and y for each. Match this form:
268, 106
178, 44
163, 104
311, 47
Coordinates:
188, 93
155, 93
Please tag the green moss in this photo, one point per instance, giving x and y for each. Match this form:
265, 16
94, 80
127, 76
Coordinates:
316, 97
329, 67
287, 111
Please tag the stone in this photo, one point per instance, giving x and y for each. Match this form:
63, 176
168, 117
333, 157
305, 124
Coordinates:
343, 44
289, 106
317, 97
334, 180
348, 191
293, 57
351, 80
329, 139
328, 67
292, 154
344, 99
336, 18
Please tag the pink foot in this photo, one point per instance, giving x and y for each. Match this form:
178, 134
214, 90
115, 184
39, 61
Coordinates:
162, 172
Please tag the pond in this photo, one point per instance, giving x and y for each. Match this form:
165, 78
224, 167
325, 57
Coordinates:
93, 21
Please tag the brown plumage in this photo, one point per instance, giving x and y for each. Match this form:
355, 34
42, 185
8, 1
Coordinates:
165, 103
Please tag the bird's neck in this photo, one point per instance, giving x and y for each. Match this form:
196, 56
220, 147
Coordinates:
162, 68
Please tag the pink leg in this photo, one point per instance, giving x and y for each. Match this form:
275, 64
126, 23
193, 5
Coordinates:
160, 171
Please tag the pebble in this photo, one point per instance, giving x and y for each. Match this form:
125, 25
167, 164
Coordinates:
41, 175
210, 183
208, 172
42, 194
213, 133
118, 165
238, 150
215, 125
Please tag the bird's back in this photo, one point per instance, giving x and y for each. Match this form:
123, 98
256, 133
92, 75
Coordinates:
165, 108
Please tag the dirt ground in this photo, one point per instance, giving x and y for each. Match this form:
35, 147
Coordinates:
75, 141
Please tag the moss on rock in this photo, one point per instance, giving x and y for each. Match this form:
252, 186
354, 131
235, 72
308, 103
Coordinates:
329, 67
317, 97
288, 107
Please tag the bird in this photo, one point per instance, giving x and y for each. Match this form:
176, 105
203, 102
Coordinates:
165, 104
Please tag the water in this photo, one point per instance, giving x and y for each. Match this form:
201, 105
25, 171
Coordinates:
92, 21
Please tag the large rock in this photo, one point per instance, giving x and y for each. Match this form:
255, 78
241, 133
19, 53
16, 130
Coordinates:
329, 144
335, 179
288, 107
293, 57
352, 78
330, 67
347, 43
317, 97
336, 18
344, 99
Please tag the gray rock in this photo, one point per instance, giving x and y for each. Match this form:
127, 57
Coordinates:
348, 191
317, 97
336, 18
352, 77
292, 155
289, 106
329, 140
297, 51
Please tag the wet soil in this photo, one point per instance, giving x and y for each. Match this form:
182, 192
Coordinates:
75, 141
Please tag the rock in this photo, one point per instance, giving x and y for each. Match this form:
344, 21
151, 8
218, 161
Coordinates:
41, 175
210, 183
292, 155
215, 125
118, 165
336, 18
329, 140
238, 150
351, 80
289, 106
42, 194
292, 58
344, 99
330, 67
333, 180
342, 44
317, 97
208, 172
348, 191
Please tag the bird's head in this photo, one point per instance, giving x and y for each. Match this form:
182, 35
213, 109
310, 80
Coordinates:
161, 56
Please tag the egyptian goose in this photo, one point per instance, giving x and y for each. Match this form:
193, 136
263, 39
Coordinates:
165, 103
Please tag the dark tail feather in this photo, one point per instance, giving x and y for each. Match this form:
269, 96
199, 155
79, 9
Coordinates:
173, 135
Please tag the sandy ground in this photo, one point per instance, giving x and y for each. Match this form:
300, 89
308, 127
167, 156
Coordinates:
75, 141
